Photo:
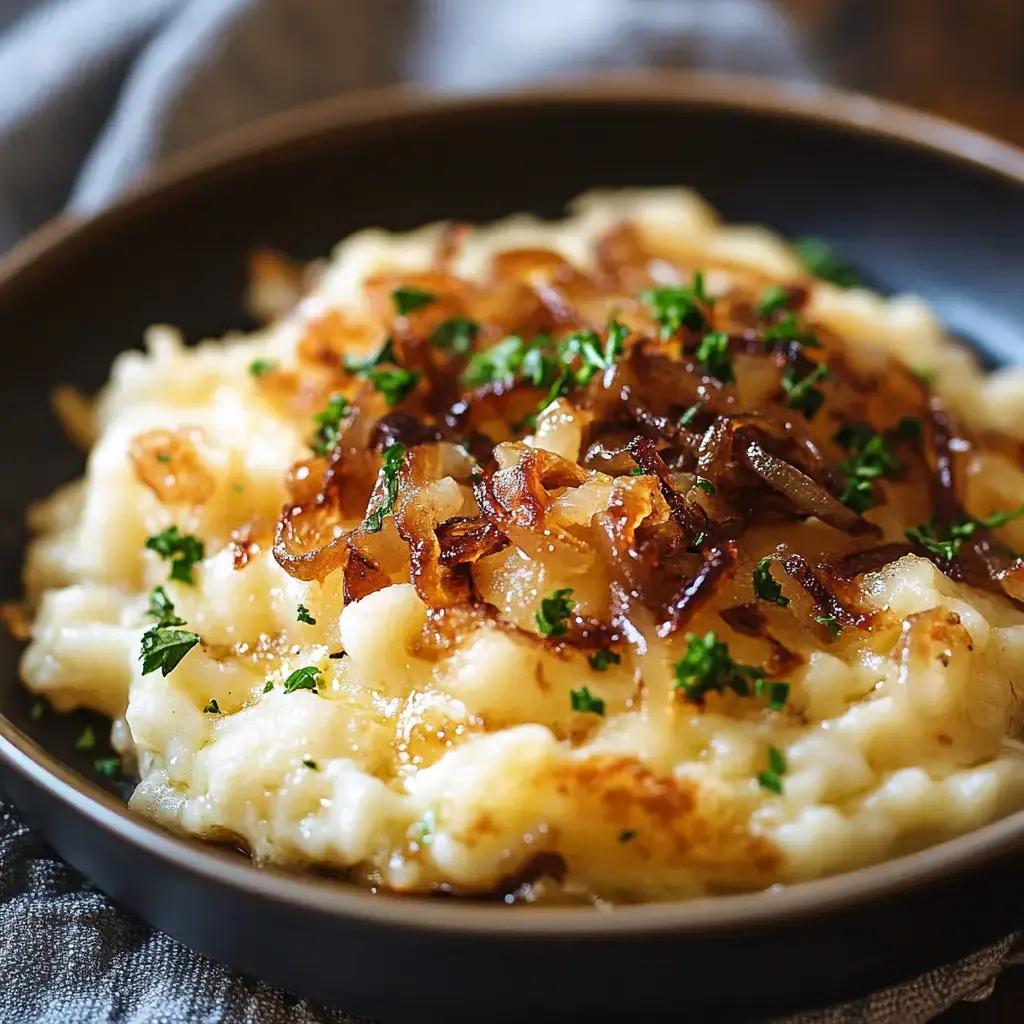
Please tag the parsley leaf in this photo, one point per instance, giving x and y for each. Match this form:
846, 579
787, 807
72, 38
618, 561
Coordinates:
627, 836
676, 307
706, 667
501, 362
713, 355
456, 335
554, 611
819, 261
259, 367
302, 679
329, 419
830, 623
308, 762
790, 328
87, 739
268, 686
802, 394
600, 660
870, 457
304, 616
394, 383
212, 707
583, 700
393, 456
182, 549
772, 779
777, 693
692, 412
37, 711
406, 299
107, 766
948, 547
705, 485
587, 345
997, 519
775, 298
164, 648
161, 607
766, 587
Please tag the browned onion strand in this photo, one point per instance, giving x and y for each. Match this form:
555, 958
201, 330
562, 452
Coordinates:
825, 601
718, 567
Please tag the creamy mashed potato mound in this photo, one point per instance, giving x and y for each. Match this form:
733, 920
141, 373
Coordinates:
522, 720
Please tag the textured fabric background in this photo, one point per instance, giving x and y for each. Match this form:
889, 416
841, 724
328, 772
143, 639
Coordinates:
92, 93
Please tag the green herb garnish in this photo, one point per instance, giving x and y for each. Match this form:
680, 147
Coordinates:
766, 587
501, 362
628, 836
802, 393
259, 367
326, 436
790, 328
705, 485
775, 298
772, 779
692, 412
910, 429
583, 700
554, 613
164, 648
161, 607
870, 458
948, 547
394, 383
107, 766
302, 679
309, 763
385, 354
713, 355
830, 623
600, 660
456, 335
268, 686
406, 299
707, 668
304, 616
37, 711
86, 740
393, 456
212, 707
182, 549
676, 307
819, 261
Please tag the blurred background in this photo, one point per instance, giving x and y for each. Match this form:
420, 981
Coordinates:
94, 92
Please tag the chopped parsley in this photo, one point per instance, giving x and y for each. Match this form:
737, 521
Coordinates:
587, 345
37, 711
627, 836
705, 485
766, 587
554, 613
692, 412
926, 535
713, 355
707, 668
407, 299
802, 394
87, 739
790, 328
302, 679
394, 383
501, 362
163, 457
456, 335
676, 307
870, 457
182, 549
423, 831
819, 261
600, 660
259, 367
772, 779
926, 375
268, 686
304, 616
107, 766
774, 299
393, 456
161, 607
310, 763
164, 648
583, 700
830, 623
326, 436
212, 707
385, 354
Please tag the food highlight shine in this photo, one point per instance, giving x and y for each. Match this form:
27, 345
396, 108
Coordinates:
633, 556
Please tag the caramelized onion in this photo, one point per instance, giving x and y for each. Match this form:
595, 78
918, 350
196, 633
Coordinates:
170, 465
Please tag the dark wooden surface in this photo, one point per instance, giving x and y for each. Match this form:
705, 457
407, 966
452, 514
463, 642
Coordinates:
963, 59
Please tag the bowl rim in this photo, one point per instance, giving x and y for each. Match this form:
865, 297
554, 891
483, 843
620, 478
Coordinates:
382, 110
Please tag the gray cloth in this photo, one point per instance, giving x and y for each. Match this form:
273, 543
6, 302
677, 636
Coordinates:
92, 93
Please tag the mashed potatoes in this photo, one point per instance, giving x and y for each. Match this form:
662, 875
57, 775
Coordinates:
515, 711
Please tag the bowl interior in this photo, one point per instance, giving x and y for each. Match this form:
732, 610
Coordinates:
908, 217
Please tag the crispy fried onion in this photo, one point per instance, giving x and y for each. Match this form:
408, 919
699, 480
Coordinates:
517, 499
169, 463
825, 601
691, 518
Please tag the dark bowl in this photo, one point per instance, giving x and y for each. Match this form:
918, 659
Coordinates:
916, 203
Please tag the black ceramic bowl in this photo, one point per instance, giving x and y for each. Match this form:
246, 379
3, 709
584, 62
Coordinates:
916, 203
